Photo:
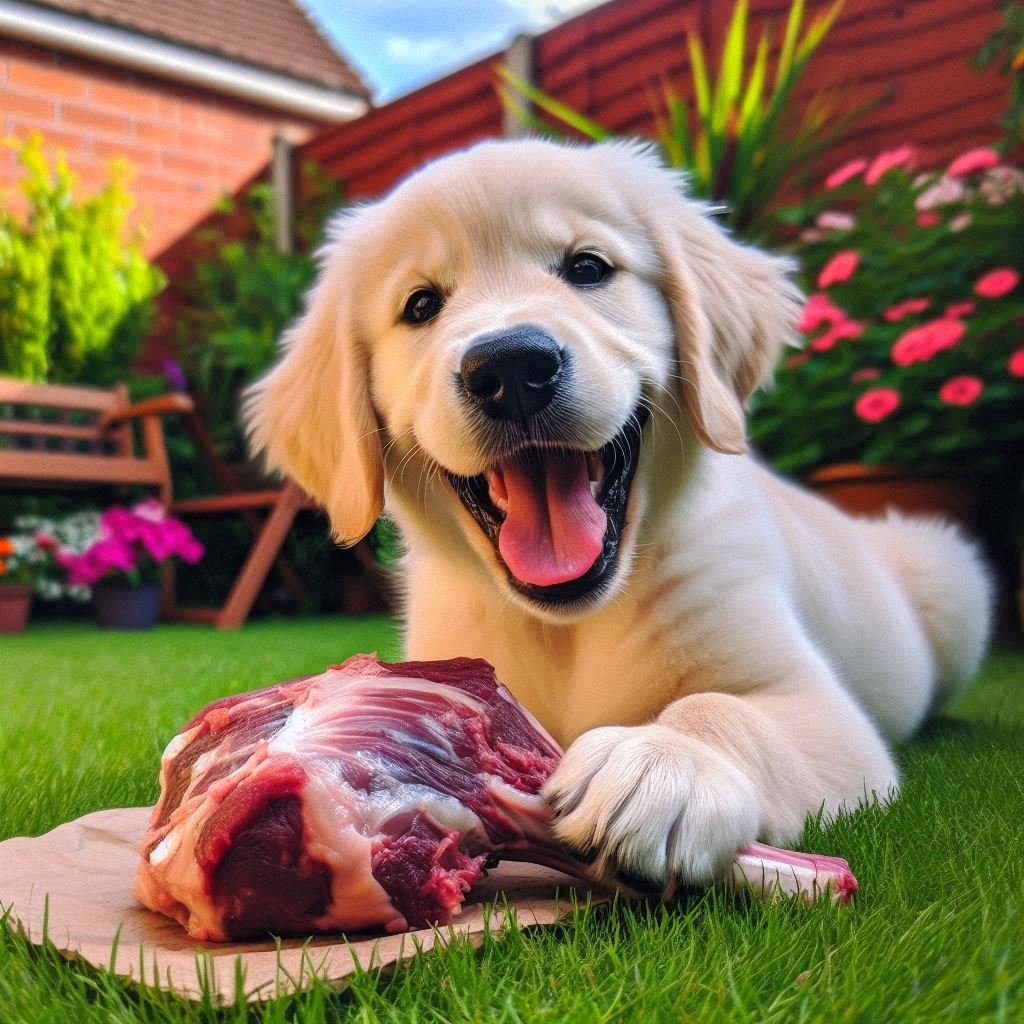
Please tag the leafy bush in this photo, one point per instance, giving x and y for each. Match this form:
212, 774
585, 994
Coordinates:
742, 140
75, 295
915, 351
243, 293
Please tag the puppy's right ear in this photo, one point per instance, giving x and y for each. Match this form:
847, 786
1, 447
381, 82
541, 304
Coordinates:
312, 414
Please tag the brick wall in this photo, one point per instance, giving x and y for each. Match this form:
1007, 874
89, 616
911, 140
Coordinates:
188, 146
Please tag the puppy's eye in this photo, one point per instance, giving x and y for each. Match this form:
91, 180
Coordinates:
423, 305
585, 269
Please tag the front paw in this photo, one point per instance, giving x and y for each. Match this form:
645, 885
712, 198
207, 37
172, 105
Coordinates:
653, 803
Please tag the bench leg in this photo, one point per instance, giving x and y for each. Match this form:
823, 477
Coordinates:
247, 585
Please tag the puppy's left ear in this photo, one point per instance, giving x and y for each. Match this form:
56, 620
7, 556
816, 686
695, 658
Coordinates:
733, 308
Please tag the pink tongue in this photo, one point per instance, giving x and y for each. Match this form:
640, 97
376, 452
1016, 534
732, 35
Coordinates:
554, 529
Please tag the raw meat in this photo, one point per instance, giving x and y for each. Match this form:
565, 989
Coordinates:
367, 797
370, 796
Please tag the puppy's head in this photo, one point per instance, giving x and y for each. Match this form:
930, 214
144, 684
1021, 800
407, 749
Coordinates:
496, 343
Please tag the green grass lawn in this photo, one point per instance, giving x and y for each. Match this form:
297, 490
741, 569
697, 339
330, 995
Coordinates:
937, 933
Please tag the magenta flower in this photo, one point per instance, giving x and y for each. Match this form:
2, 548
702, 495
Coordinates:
961, 390
845, 172
919, 344
996, 283
973, 160
843, 329
818, 310
128, 537
885, 162
839, 268
1016, 363
956, 310
874, 405
896, 313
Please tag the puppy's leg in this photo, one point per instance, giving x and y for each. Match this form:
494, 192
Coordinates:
714, 772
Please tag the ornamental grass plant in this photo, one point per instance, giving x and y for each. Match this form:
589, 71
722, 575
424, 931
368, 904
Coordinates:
914, 323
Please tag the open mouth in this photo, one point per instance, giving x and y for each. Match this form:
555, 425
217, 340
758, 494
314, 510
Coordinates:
556, 515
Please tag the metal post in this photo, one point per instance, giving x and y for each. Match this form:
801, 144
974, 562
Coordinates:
282, 179
518, 60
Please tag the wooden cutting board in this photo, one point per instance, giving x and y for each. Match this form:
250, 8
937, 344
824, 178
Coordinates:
72, 888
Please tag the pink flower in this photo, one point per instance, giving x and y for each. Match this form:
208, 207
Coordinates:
835, 220
797, 359
996, 283
959, 309
876, 404
928, 219
973, 160
885, 162
868, 373
843, 329
150, 510
1016, 364
896, 313
844, 173
919, 344
961, 390
960, 222
941, 193
818, 309
839, 268
45, 542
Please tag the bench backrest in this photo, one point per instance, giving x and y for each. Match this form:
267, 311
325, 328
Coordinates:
61, 418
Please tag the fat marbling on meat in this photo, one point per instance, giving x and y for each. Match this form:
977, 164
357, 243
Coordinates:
369, 796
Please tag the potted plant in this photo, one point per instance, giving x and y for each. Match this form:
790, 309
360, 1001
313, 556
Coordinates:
122, 562
23, 560
913, 369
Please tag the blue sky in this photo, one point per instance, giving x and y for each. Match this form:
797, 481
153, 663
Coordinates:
398, 45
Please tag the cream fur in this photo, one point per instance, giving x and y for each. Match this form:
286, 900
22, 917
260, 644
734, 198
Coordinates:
759, 650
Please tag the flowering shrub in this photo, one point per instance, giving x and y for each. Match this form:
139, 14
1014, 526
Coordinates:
914, 322
131, 543
25, 557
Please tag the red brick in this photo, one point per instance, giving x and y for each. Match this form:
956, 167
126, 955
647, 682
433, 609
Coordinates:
187, 165
135, 153
168, 108
163, 133
52, 81
91, 120
28, 105
131, 100
54, 139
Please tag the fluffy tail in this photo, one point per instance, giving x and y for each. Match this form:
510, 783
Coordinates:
951, 590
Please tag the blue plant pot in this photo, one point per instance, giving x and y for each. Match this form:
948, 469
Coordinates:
119, 606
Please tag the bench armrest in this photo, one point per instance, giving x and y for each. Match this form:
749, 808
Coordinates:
159, 406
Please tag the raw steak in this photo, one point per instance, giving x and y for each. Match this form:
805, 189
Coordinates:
369, 796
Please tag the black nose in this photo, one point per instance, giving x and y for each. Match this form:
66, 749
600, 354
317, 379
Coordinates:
512, 374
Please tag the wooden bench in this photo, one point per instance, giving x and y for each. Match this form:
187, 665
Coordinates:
56, 436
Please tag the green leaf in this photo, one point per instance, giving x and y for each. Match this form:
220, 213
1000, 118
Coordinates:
577, 121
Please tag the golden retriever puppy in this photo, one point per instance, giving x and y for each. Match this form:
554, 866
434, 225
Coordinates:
536, 358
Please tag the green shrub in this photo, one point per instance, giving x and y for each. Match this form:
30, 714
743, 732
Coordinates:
75, 292
242, 295
914, 351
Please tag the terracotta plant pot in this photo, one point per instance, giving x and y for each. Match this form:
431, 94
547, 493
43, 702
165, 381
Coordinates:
119, 606
872, 490
15, 604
